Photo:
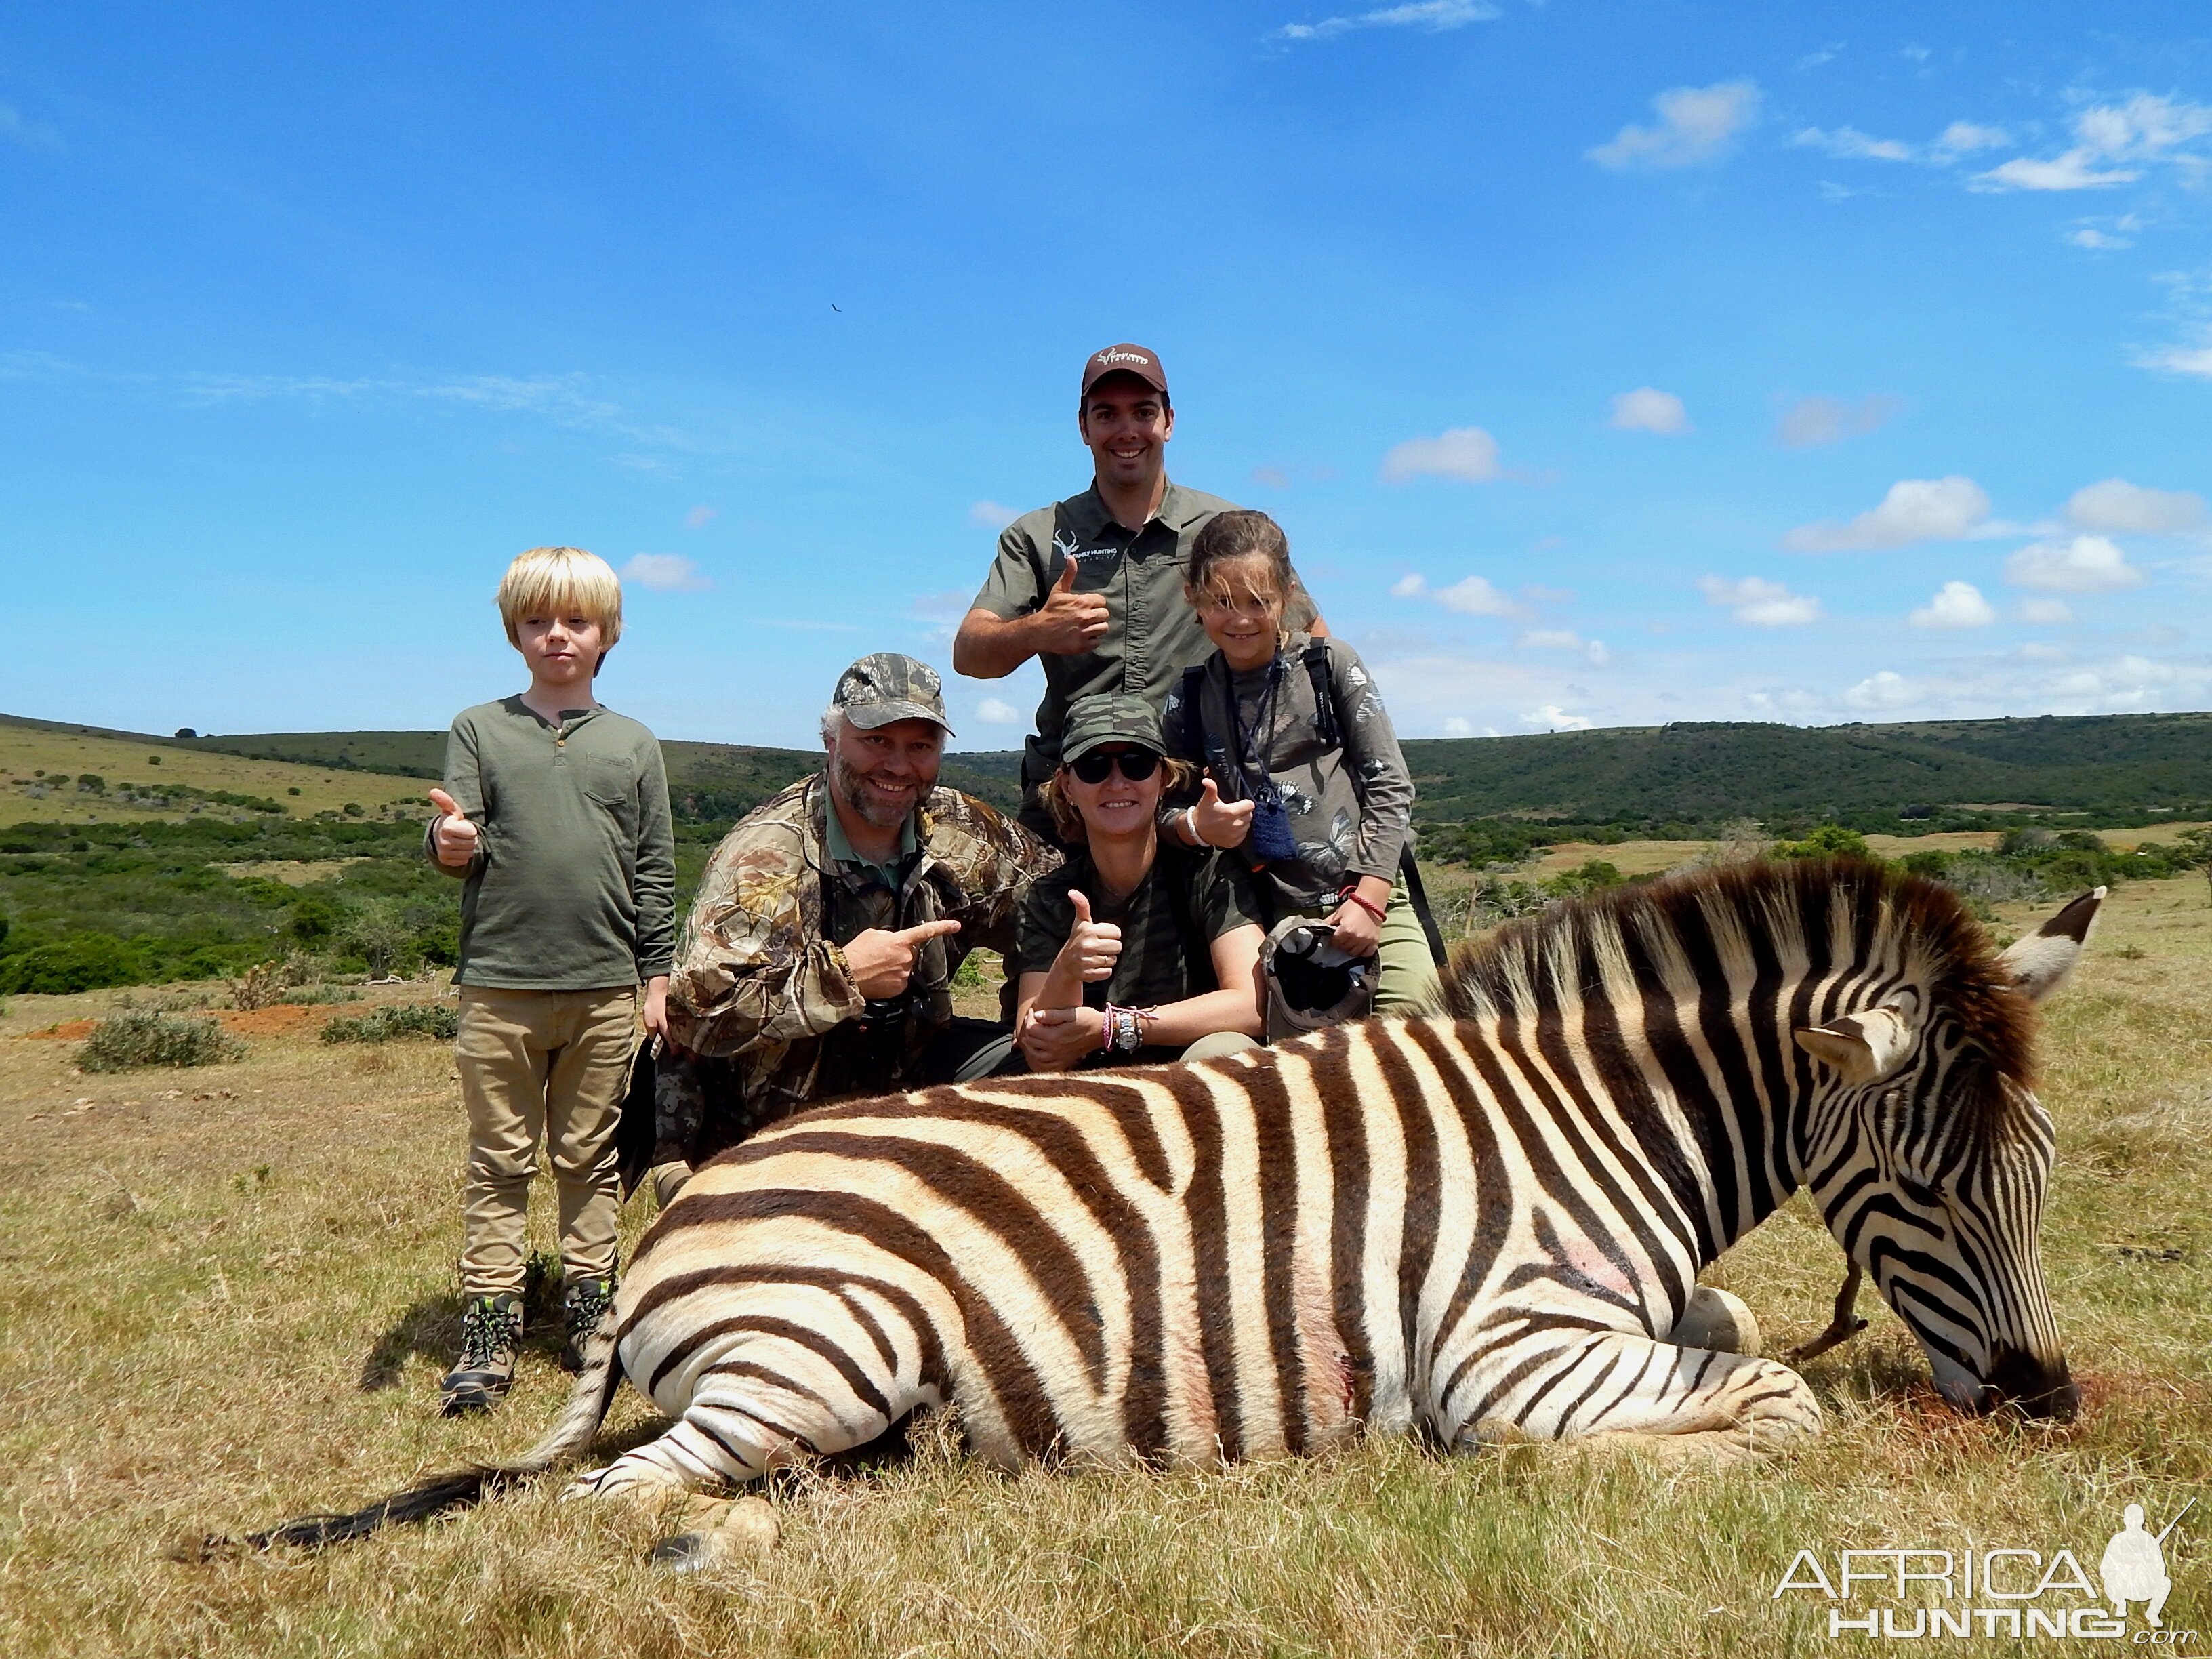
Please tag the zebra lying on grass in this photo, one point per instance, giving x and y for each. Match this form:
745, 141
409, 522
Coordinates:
1483, 1226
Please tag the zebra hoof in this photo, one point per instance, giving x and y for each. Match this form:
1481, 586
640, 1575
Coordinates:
748, 1530
1719, 1321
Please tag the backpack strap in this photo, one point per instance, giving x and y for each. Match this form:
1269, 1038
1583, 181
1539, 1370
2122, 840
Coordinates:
1324, 690
1189, 735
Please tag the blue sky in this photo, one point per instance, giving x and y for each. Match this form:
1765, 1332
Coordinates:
1608, 364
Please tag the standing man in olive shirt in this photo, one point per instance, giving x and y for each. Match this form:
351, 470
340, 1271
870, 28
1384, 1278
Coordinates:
1093, 585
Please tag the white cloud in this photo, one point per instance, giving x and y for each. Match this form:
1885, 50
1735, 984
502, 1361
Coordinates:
1565, 639
992, 516
996, 711
1816, 420
1760, 603
1956, 604
1646, 410
1466, 452
2178, 360
1850, 145
1914, 510
2147, 129
1697, 125
699, 518
1827, 54
2072, 171
1432, 16
666, 572
2045, 613
1553, 718
2089, 238
1885, 690
1458, 726
2086, 564
1964, 138
1473, 596
2119, 507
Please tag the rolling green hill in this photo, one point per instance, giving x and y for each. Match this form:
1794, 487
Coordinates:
2116, 767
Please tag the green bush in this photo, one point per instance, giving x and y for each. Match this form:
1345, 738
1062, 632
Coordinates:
1828, 841
406, 1019
144, 1037
86, 962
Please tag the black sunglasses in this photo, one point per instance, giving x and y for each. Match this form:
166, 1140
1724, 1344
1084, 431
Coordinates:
1136, 764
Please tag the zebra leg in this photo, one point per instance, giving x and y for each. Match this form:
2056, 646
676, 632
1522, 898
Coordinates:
768, 1397
1624, 1385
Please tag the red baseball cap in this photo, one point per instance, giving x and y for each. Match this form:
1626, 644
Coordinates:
1124, 359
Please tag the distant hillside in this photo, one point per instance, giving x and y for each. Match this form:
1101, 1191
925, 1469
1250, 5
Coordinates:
2123, 767
706, 780
1701, 773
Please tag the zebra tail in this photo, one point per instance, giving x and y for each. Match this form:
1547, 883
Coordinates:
456, 1489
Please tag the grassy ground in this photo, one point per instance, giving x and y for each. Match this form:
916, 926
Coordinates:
27, 751
228, 1293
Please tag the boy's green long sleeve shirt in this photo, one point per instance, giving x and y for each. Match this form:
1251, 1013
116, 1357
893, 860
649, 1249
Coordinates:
575, 886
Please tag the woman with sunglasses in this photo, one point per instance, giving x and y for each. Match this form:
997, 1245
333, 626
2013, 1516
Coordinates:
1136, 949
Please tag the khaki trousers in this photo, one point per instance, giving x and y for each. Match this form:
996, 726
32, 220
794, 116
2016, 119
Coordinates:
1408, 973
548, 1065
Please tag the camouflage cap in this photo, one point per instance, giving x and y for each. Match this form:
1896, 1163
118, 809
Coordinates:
1109, 717
885, 686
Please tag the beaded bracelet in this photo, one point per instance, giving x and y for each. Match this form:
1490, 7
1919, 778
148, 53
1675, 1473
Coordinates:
1350, 895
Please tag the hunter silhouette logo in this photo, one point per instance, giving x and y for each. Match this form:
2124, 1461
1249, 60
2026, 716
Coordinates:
1906, 1593
2134, 1565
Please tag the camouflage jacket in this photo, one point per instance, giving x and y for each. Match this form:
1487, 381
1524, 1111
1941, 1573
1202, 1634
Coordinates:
760, 994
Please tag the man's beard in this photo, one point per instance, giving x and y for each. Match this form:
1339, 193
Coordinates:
851, 786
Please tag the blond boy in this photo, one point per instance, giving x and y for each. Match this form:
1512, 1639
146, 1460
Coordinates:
555, 814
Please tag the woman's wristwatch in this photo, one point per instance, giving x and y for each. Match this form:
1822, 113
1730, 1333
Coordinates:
1121, 1030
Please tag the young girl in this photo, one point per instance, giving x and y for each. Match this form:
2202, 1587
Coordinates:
1305, 778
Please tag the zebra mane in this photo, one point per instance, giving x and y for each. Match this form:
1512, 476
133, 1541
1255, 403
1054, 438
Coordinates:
1630, 939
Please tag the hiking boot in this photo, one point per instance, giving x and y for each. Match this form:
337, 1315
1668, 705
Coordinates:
586, 1300
491, 1330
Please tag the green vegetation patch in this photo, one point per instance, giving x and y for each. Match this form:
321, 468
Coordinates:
435, 1020
141, 1036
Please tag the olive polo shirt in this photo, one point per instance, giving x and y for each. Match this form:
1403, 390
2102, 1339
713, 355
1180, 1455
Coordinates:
1151, 634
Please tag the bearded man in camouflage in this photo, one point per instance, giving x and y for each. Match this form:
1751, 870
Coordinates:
820, 949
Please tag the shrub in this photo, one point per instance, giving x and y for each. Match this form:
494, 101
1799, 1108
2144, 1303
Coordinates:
143, 1037
380, 932
1828, 841
409, 1019
83, 962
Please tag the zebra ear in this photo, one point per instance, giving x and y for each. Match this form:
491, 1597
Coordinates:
2038, 962
1860, 1047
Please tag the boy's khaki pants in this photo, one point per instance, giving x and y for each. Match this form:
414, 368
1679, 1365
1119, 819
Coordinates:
550, 1065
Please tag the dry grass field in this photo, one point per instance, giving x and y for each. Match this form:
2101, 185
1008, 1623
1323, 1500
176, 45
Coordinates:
225, 1296
27, 751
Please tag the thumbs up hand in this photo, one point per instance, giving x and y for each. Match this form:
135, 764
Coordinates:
457, 841
1069, 624
1092, 947
1218, 823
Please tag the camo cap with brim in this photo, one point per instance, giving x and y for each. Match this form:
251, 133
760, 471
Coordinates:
885, 687
1110, 717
